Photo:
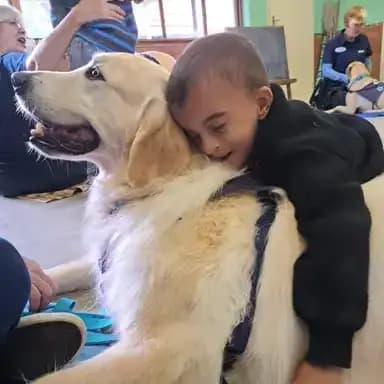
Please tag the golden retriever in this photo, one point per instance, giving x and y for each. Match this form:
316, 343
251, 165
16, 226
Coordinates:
361, 81
178, 263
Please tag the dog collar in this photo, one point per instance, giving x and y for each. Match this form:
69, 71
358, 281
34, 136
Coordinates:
357, 78
117, 205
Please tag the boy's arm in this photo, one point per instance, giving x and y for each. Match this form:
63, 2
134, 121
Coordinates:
49, 53
331, 276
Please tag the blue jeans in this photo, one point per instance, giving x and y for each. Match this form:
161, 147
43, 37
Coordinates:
80, 52
15, 286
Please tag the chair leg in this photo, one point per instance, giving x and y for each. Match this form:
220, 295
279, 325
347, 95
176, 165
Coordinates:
289, 91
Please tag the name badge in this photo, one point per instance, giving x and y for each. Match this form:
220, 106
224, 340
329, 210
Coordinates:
340, 49
361, 51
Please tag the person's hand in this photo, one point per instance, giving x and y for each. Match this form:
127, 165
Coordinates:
90, 10
43, 288
310, 374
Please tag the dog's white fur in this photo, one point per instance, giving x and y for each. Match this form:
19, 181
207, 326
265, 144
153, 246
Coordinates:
179, 263
353, 100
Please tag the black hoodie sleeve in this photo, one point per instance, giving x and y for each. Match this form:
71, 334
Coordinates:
331, 276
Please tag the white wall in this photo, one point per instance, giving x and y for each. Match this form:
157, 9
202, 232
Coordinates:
297, 18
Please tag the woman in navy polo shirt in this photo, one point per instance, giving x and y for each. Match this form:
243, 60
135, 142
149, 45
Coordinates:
347, 46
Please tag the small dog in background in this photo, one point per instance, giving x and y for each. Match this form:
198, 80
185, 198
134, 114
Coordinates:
364, 92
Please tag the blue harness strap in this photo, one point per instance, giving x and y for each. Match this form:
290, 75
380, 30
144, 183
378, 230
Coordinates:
245, 184
372, 92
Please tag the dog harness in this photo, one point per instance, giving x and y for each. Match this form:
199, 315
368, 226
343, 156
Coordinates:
269, 199
372, 92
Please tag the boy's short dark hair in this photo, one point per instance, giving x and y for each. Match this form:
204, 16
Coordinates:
229, 55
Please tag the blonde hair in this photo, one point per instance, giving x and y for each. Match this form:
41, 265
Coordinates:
357, 12
8, 13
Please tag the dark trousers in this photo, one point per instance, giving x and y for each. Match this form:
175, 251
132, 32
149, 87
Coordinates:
30, 175
328, 94
14, 289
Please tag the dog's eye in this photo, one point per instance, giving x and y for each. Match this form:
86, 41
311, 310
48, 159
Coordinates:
94, 73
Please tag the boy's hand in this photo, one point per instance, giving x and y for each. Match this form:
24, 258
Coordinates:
43, 288
90, 10
310, 374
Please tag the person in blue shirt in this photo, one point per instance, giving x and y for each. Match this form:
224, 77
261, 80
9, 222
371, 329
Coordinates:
100, 35
347, 46
22, 171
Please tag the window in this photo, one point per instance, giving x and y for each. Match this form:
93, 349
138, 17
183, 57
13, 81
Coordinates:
160, 19
156, 19
36, 15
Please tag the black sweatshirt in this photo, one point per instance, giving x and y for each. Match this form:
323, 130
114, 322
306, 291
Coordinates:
321, 161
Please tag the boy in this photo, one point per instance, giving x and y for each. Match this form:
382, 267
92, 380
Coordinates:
219, 93
100, 35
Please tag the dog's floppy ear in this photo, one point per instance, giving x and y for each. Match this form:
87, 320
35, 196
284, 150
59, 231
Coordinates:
159, 148
349, 69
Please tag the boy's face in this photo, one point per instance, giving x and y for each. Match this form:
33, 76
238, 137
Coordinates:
221, 119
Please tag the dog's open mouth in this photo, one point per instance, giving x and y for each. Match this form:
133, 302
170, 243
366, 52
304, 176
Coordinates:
65, 139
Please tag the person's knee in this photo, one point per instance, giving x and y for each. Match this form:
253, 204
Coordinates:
14, 276
8, 187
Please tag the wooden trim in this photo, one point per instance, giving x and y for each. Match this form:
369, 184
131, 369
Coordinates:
173, 47
194, 16
239, 14
185, 40
162, 19
204, 16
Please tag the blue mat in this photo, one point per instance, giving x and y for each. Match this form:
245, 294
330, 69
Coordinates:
371, 114
99, 327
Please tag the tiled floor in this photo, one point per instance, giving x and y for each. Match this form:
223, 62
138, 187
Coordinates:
50, 233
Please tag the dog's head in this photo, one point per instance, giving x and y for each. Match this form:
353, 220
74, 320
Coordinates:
355, 69
112, 112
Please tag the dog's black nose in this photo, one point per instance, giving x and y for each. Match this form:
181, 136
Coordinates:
20, 81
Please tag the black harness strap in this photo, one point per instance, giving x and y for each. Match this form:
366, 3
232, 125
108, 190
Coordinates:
371, 92
238, 341
244, 184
